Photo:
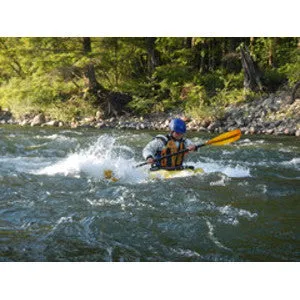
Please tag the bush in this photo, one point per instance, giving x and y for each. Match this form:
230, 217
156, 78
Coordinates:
291, 71
60, 100
212, 82
141, 105
200, 106
197, 103
75, 107
272, 79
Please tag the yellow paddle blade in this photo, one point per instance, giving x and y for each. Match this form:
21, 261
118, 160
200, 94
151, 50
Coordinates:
225, 138
109, 175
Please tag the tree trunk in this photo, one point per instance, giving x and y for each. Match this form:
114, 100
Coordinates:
251, 79
112, 103
272, 49
295, 93
87, 46
189, 42
90, 79
152, 54
210, 61
89, 71
231, 45
251, 45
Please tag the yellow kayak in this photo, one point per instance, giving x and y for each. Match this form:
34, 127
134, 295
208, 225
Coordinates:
159, 174
167, 174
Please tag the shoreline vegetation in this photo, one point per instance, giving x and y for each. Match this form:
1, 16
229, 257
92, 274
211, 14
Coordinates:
214, 84
272, 115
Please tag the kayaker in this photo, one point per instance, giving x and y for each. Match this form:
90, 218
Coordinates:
163, 145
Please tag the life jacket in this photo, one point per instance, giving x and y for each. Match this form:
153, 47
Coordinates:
170, 147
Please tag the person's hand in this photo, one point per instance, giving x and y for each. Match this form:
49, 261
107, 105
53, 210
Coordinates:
150, 160
192, 148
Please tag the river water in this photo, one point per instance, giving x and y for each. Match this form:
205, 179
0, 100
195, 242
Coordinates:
56, 205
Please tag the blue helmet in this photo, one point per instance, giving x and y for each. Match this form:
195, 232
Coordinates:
178, 125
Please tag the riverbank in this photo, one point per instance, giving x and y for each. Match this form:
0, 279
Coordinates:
272, 114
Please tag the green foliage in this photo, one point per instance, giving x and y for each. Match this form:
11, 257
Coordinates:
212, 82
38, 90
200, 106
272, 79
292, 69
47, 94
198, 103
77, 108
154, 97
200, 75
276, 51
173, 50
233, 81
119, 59
141, 105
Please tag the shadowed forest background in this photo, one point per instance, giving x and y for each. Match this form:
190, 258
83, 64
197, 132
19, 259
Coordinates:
71, 77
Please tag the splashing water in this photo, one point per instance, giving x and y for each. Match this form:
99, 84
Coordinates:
56, 204
104, 154
107, 154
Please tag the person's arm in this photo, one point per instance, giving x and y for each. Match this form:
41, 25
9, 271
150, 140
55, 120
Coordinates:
151, 148
190, 145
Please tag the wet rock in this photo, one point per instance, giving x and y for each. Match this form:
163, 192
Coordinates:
38, 120
74, 124
289, 131
5, 116
100, 125
99, 115
24, 122
205, 123
202, 129
52, 123
212, 126
252, 130
269, 131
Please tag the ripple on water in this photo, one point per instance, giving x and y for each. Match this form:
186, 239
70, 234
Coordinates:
56, 206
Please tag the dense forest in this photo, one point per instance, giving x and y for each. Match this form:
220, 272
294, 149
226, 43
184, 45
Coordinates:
71, 77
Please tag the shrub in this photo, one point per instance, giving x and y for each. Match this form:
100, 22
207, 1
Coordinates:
272, 79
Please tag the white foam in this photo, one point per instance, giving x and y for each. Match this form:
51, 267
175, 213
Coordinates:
248, 142
286, 150
214, 166
263, 188
212, 236
185, 252
97, 158
295, 163
68, 166
222, 182
23, 164
230, 211
56, 137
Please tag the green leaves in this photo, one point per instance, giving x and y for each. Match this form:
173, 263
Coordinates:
160, 73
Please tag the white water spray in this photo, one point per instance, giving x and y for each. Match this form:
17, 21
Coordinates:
104, 154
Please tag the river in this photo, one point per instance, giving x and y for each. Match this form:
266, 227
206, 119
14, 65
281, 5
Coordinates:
56, 205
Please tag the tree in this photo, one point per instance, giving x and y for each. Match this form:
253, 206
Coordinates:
153, 55
251, 79
94, 87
